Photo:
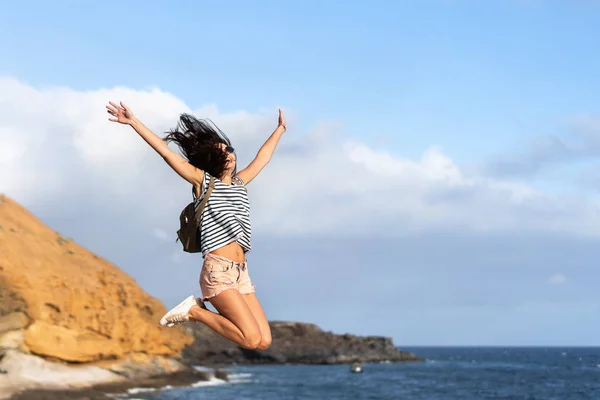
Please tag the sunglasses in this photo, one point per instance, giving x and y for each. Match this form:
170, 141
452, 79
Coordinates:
229, 149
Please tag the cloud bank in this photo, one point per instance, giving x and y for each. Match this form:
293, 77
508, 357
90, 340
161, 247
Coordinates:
58, 143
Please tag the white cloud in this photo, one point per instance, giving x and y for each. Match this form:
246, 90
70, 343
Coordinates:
557, 279
579, 140
58, 143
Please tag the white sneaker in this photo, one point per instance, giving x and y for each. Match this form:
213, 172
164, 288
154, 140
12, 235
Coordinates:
179, 313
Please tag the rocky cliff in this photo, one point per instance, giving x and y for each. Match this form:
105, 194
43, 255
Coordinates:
62, 303
294, 343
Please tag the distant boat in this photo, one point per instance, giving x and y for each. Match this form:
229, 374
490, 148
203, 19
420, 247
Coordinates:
356, 368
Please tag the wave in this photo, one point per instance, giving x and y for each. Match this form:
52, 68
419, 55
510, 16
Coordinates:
242, 377
238, 378
213, 381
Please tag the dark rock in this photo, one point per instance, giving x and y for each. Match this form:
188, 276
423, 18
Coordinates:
293, 343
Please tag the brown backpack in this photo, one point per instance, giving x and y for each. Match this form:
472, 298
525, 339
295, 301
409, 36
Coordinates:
189, 221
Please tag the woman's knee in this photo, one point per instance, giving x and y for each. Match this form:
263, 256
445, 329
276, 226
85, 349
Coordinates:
265, 343
257, 340
252, 339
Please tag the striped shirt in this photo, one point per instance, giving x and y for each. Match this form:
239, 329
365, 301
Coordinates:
226, 216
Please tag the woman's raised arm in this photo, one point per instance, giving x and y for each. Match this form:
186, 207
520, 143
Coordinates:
123, 115
264, 154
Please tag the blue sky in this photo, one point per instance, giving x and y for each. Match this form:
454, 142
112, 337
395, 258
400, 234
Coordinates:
485, 82
474, 77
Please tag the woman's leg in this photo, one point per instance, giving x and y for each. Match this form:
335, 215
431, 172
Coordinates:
247, 289
235, 320
261, 319
240, 317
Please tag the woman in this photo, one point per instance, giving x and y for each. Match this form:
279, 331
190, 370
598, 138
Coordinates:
225, 225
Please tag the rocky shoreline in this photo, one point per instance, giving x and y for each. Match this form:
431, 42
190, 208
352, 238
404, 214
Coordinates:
26, 376
293, 343
111, 390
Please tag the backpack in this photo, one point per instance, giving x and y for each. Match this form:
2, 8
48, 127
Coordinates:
189, 221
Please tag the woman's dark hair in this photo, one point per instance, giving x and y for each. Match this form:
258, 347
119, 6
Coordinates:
199, 141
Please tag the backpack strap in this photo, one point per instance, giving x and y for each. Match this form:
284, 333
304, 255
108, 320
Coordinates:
201, 188
211, 186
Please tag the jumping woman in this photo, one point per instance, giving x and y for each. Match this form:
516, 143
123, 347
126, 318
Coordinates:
225, 225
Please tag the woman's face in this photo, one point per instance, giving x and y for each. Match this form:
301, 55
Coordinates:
230, 166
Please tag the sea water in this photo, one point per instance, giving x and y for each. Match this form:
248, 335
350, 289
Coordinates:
449, 373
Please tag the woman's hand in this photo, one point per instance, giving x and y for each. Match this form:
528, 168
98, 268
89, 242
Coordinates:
122, 113
281, 120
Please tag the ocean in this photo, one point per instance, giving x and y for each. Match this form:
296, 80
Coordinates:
450, 373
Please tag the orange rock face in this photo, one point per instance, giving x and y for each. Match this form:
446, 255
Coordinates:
61, 301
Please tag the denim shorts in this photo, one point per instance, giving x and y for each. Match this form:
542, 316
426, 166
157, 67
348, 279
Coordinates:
219, 274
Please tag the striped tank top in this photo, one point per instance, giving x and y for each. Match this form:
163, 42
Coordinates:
226, 216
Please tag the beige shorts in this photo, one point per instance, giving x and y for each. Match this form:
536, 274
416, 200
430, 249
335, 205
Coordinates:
219, 274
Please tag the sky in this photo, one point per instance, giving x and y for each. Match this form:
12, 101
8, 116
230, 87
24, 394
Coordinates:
437, 183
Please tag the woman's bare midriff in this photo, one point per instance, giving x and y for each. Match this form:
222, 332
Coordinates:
231, 251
